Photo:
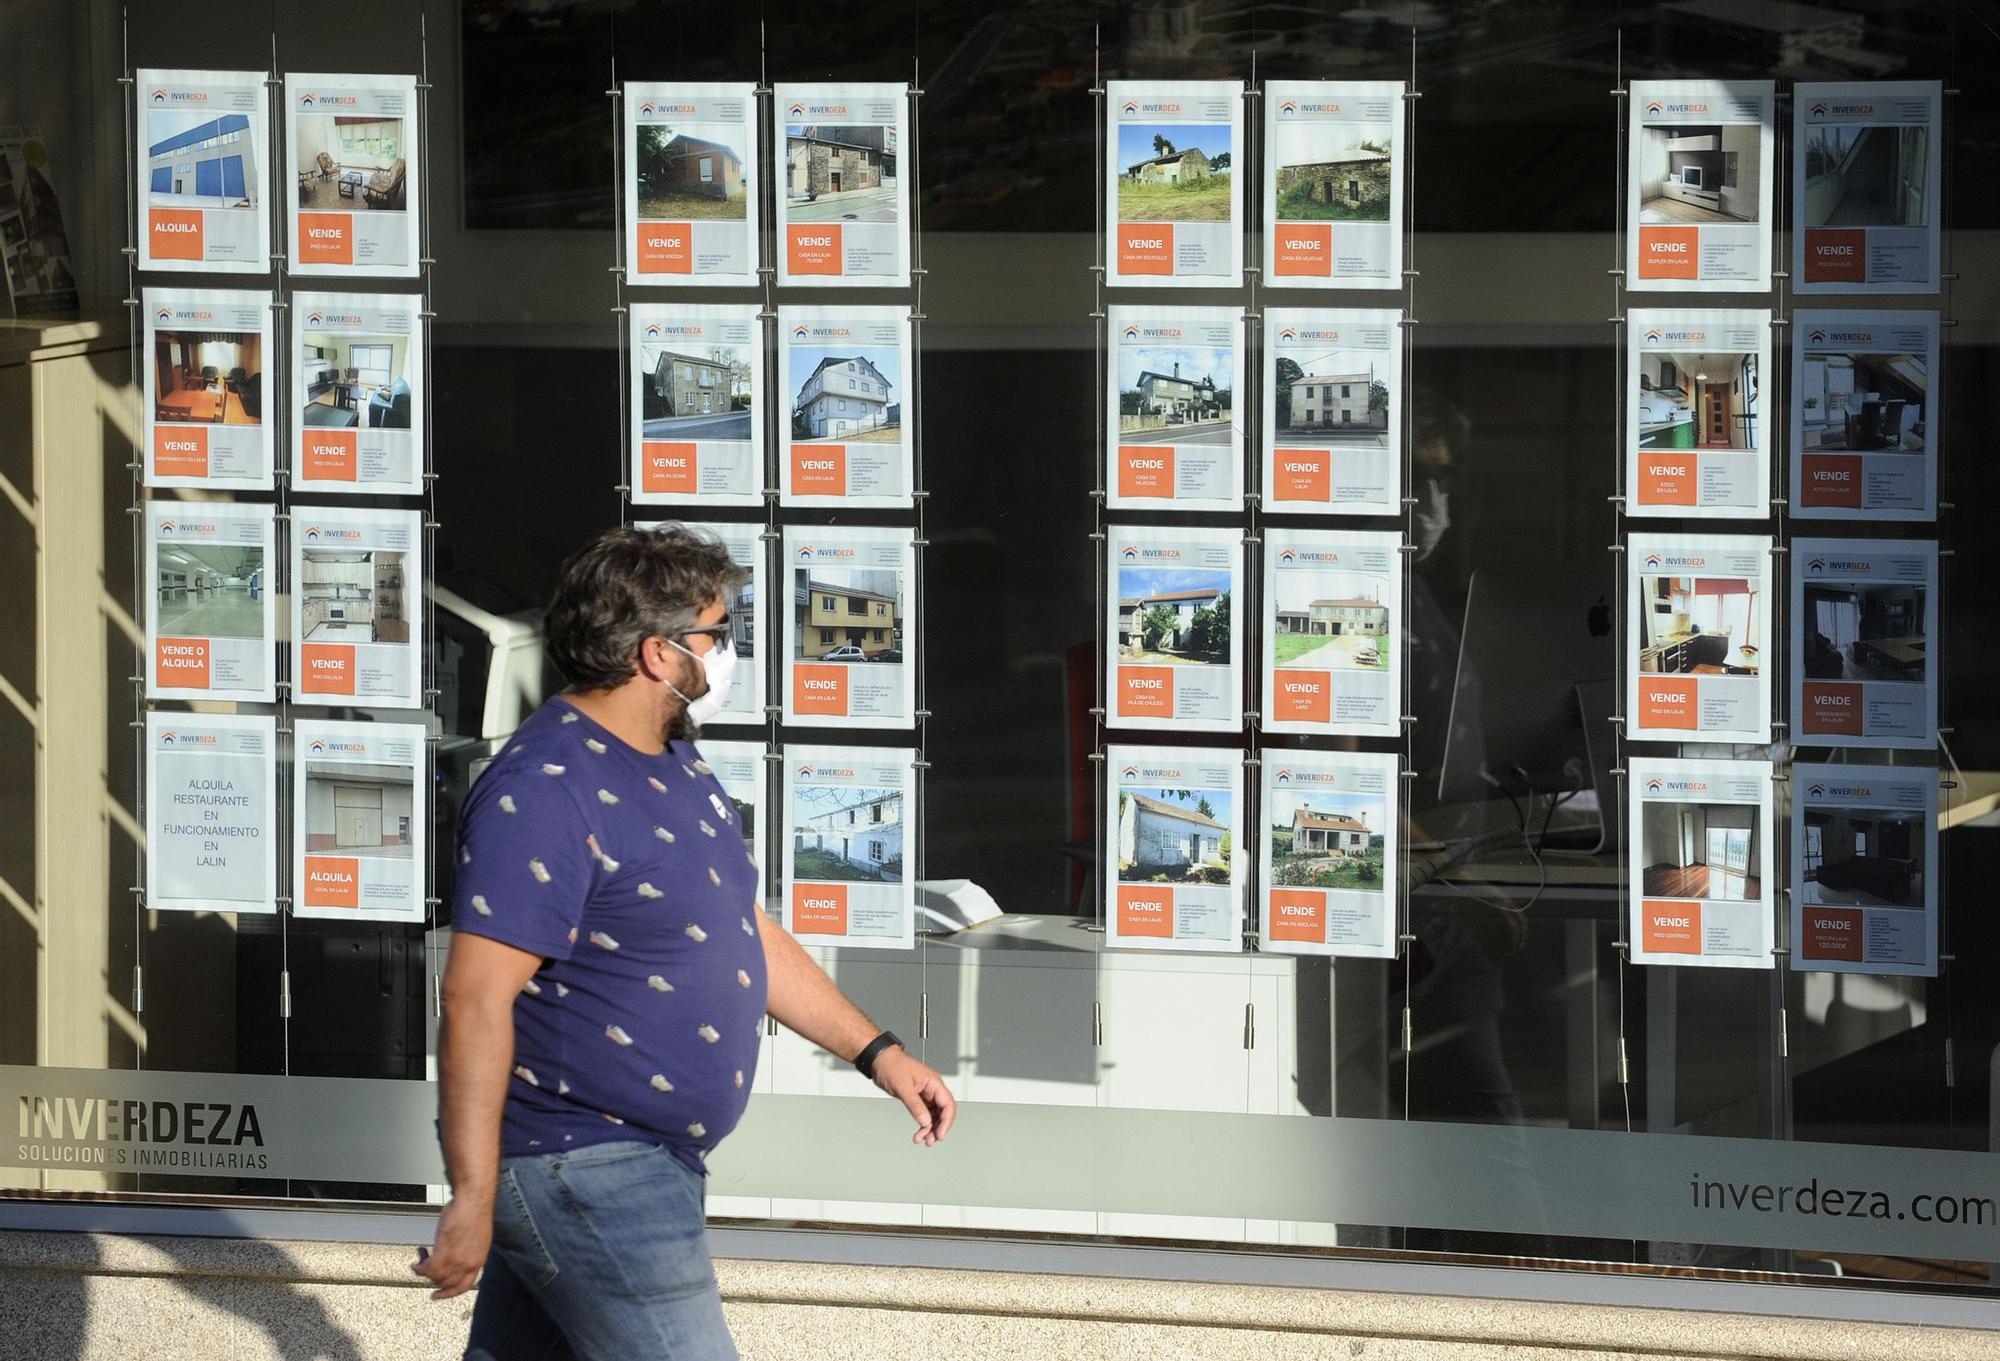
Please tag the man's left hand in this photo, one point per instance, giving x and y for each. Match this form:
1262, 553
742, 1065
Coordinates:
917, 1085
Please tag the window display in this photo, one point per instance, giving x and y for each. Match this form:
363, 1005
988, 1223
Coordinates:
1174, 831
1697, 440
1698, 202
1177, 655
1866, 165
691, 185
852, 631
1697, 632
212, 799
1865, 869
206, 354
850, 841
1333, 183
848, 405
210, 623
359, 820
1333, 411
697, 405
357, 607
1333, 633
1173, 201
352, 150
1700, 837
1865, 413
1328, 853
841, 184
1175, 434
1864, 615
358, 400
204, 176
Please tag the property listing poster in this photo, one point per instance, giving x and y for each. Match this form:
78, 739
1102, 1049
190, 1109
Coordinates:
211, 796
1867, 165
1333, 411
742, 771
1172, 607
1698, 197
850, 819
747, 631
359, 819
691, 184
1172, 815
206, 356
1864, 615
1864, 408
1328, 854
847, 395
1171, 193
358, 393
352, 147
1697, 638
1333, 190
205, 177
851, 627
1333, 631
357, 607
697, 405
843, 199
1174, 436
211, 625
1701, 863
1697, 442
1864, 869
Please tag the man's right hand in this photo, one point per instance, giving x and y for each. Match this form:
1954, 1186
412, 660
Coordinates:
464, 1234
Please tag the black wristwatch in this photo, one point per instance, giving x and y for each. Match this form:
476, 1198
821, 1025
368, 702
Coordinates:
864, 1062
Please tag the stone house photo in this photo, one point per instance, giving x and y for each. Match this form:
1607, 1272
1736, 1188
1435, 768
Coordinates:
848, 834
1173, 834
1333, 172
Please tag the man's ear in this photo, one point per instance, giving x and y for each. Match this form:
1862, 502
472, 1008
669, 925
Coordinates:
651, 664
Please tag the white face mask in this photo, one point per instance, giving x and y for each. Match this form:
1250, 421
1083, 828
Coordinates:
718, 667
1433, 517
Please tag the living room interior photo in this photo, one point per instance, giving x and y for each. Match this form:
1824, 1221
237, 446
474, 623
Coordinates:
1697, 401
214, 377
355, 382
1700, 850
352, 596
1865, 176
1870, 402
349, 164
1706, 173
1864, 633
1698, 626
1865, 856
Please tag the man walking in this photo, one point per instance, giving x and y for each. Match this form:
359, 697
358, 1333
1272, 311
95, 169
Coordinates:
609, 973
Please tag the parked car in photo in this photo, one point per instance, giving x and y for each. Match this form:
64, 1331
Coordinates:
849, 653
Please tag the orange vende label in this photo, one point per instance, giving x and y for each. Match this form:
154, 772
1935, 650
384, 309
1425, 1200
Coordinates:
1667, 479
1832, 933
180, 663
814, 248
1836, 255
1668, 926
331, 881
1668, 702
326, 668
1830, 480
180, 451
1670, 252
1146, 470
326, 239
1298, 914
819, 688
819, 909
1146, 248
1146, 910
666, 466
330, 455
819, 470
1832, 709
1302, 251
1145, 692
665, 247
176, 233
1302, 696
1302, 474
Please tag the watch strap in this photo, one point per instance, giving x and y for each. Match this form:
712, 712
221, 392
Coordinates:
864, 1062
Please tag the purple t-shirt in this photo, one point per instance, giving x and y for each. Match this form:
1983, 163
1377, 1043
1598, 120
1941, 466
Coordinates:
629, 875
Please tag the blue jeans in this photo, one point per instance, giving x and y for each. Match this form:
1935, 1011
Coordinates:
599, 1255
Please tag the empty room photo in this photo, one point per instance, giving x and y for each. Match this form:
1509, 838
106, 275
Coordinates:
1174, 173
1327, 840
355, 382
352, 596
840, 172
1861, 176
1333, 172
1697, 401
209, 592
1864, 856
1863, 633
847, 834
1174, 836
1175, 394
358, 808
211, 376
1332, 395
848, 396
1697, 174
350, 164
696, 393
199, 160
846, 614
1699, 626
690, 171
1175, 616
1868, 402
1700, 850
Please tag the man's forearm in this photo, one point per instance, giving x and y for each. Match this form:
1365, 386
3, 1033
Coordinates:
802, 998
475, 1056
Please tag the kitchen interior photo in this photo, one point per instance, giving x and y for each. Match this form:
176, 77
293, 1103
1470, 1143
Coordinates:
215, 377
1699, 173
1697, 401
1698, 626
352, 596
355, 382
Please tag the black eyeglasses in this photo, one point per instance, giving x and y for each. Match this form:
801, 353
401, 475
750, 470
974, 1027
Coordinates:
719, 632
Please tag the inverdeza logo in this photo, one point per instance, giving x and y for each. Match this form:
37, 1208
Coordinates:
1321, 107
1656, 561
801, 110
189, 739
655, 331
332, 319
1150, 773
1152, 106
1134, 553
1826, 337
807, 772
1129, 773
164, 315
1676, 335
648, 109
1152, 333
1840, 791
805, 332
168, 314
1130, 108
320, 746
1292, 556
308, 100
318, 533
1657, 786
1324, 334
1284, 777
1856, 566
1850, 109
1677, 106
1309, 777
169, 528
1288, 333
180, 96
812, 554
159, 96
